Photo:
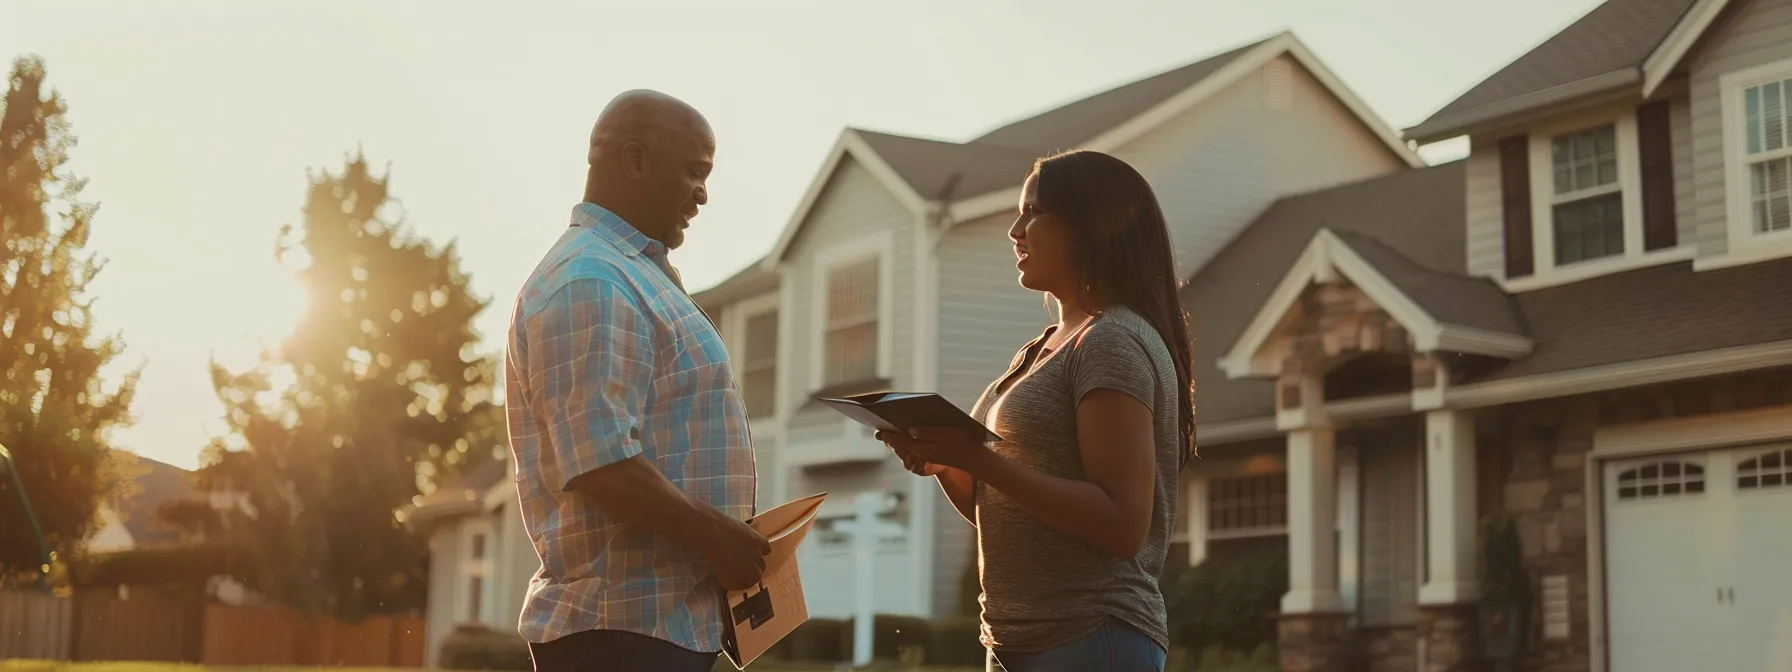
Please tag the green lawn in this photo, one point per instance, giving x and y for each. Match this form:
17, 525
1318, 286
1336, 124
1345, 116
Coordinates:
53, 666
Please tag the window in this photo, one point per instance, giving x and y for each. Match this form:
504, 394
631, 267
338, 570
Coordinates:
1661, 479
1247, 506
1767, 156
1587, 211
759, 365
1767, 470
850, 331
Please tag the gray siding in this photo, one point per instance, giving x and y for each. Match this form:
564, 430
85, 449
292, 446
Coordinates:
1218, 166
984, 317
853, 205
1755, 33
1485, 232
1680, 139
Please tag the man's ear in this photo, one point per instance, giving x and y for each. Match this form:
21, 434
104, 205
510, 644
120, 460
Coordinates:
634, 161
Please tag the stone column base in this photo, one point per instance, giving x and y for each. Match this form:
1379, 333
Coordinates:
1452, 637
1313, 642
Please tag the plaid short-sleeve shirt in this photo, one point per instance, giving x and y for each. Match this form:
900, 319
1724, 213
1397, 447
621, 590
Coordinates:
609, 358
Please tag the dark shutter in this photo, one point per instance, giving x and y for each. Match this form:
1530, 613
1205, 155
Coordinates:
1515, 202
1655, 153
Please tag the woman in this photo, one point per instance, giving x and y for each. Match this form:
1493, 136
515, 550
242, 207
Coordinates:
1075, 506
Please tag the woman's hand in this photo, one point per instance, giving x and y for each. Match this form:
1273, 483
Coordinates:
930, 450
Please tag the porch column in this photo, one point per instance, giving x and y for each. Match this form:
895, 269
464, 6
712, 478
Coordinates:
1312, 523
1447, 619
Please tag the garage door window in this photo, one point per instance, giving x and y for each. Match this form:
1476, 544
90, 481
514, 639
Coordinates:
1767, 470
1661, 479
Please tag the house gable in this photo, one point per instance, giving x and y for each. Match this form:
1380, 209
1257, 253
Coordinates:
851, 146
1333, 271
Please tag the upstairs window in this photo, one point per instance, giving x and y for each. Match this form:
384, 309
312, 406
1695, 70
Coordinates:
1767, 157
1587, 208
850, 330
759, 365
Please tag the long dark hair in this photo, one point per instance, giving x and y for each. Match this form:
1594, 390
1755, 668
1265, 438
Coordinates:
1123, 253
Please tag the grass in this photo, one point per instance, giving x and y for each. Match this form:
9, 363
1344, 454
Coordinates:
56, 666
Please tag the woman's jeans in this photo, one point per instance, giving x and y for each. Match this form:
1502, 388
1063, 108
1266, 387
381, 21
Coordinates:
1116, 647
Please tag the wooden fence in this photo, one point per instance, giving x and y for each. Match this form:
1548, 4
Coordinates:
185, 629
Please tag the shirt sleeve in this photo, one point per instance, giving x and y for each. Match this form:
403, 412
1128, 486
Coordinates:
594, 363
1110, 356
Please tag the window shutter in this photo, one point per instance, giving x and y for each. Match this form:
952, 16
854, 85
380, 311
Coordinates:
1515, 202
1655, 154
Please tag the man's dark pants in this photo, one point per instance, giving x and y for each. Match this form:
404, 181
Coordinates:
617, 651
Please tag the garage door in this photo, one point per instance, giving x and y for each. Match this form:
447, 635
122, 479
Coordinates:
1699, 561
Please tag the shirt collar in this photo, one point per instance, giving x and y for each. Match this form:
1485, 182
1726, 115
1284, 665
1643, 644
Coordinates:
615, 230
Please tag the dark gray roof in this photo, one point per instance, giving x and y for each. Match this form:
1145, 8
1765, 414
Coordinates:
1601, 51
1416, 213
750, 281
1448, 297
928, 165
1409, 225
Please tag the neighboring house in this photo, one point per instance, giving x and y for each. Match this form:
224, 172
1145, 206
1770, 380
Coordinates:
480, 557
137, 526
1585, 326
896, 272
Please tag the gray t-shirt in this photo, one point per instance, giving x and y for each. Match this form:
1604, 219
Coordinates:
1041, 587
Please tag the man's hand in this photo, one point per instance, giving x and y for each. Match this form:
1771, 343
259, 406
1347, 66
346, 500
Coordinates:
736, 550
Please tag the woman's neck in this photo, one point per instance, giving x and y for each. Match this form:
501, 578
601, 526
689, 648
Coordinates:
1071, 312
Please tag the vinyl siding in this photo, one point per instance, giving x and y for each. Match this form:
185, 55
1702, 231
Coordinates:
445, 581
1680, 139
1218, 166
1754, 33
1486, 228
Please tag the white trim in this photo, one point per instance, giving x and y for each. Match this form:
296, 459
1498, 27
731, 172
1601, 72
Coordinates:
850, 142
470, 568
1743, 246
1601, 267
502, 493
1240, 67
879, 245
1327, 253
1667, 55
1698, 433
787, 382
1543, 193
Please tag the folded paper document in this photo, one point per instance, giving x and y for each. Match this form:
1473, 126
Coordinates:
768, 611
902, 411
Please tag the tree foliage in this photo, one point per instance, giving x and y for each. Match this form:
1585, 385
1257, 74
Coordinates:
378, 395
54, 409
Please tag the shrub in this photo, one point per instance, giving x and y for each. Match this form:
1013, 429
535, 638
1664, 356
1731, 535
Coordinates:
472, 647
820, 639
1230, 600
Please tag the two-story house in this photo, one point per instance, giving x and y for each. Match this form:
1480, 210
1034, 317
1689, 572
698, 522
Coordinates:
896, 272
1585, 327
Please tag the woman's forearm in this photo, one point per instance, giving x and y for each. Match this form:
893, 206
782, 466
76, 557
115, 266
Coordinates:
1081, 509
960, 489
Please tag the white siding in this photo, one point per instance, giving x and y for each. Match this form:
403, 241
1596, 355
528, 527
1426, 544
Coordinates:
1756, 33
1218, 166
519, 564
444, 582
1486, 230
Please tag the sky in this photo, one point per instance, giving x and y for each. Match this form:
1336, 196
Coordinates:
199, 121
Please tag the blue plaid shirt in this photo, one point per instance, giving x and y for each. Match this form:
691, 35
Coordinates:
609, 358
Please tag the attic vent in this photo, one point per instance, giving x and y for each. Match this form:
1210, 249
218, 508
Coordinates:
1278, 85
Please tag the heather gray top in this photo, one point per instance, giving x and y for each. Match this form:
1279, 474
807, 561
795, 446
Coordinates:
1041, 587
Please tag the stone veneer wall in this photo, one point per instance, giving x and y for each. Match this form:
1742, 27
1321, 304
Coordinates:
1545, 445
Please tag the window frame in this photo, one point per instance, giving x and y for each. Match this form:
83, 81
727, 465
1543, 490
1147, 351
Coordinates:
1544, 198
879, 246
472, 608
1744, 245
736, 317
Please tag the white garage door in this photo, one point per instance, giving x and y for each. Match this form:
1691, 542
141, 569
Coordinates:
1699, 561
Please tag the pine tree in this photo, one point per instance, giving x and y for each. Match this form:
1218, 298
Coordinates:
379, 394
54, 410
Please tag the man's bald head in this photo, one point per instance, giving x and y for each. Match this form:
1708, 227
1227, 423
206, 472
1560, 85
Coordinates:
650, 156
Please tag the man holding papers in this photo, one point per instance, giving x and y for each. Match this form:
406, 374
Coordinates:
635, 470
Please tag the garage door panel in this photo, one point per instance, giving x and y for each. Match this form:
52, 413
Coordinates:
1662, 550
1762, 505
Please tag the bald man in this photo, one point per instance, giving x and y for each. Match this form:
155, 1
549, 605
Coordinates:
634, 467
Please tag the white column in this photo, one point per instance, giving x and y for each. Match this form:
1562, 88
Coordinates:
864, 547
1312, 523
1450, 523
